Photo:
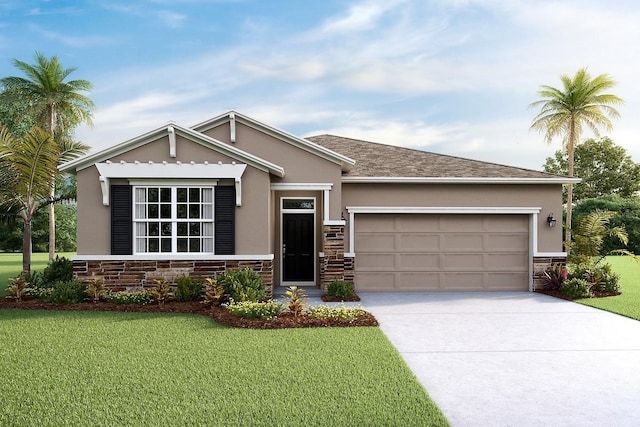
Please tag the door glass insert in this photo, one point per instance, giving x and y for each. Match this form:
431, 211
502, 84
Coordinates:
303, 204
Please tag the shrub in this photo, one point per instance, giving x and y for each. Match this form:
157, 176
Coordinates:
341, 312
17, 288
576, 287
124, 297
600, 276
297, 300
554, 276
96, 289
161, 291
340, 289
213, 292
58, 270
188, 289
255, 310
64, 292
242, 285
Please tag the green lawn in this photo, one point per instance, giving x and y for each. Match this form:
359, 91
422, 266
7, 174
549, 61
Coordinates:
628, 303
11, 265
93, 368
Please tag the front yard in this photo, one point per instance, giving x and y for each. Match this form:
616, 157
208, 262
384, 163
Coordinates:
91, 368
627, 303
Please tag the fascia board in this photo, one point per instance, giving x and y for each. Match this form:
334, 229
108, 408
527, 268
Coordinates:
457, 180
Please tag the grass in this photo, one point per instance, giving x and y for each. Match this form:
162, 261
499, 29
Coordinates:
627, 303
96, 368
11, 265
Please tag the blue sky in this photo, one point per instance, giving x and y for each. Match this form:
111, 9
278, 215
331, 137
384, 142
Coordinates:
449, 76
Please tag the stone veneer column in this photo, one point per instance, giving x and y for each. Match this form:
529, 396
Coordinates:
540, 264
334, 264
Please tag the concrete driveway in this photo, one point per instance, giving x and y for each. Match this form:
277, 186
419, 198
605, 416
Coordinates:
516, 359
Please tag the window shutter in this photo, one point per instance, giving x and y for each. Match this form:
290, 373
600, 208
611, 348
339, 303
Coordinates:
225, 208
121, 221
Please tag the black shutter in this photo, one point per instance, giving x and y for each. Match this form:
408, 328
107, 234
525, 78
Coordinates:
225, 208
121, 221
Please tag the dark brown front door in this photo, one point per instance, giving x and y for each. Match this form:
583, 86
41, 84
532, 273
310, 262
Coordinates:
297, 247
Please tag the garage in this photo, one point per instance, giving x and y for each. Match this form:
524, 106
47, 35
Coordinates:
441, 252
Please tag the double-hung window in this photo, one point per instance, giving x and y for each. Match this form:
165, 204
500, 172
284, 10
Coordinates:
173, 219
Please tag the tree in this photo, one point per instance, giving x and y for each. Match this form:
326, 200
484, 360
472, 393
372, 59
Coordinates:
591, 230
582, 102
628, 217
605, 168
56, 105
27, 166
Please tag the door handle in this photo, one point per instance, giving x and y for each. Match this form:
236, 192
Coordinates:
284, 249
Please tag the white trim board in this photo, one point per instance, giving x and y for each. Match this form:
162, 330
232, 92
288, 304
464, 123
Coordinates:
174, 257
444, 210
300, 186
456, 180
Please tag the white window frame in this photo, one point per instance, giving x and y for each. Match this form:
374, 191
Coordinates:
174, 220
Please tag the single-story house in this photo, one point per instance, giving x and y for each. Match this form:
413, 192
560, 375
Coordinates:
233, 192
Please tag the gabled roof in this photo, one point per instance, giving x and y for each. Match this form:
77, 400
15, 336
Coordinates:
387, 163
326, 153
169, 130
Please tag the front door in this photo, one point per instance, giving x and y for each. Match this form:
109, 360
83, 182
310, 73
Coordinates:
297, 247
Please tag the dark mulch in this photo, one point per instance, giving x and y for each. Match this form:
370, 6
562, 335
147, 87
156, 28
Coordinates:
352, 298
560, 295
218, 314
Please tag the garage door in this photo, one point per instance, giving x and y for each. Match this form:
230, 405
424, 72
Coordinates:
449, 252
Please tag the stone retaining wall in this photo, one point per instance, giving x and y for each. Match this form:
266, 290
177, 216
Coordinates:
540, 264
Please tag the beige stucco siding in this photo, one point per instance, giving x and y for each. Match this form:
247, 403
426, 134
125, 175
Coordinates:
546, 197
253, 236
300, 166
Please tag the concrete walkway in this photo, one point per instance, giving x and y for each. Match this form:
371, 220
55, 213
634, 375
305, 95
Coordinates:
516, 359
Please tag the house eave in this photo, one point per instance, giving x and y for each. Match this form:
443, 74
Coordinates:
455, 180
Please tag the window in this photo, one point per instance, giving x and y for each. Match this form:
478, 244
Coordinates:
173, 219
298, 204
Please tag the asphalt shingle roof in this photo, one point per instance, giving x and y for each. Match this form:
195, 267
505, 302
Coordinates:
381, 160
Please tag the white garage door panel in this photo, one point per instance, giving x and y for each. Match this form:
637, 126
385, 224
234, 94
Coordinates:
446, 252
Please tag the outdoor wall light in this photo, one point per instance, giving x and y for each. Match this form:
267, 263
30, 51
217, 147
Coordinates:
551, 220
343, 218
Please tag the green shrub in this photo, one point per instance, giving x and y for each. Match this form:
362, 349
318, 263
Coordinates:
124, 297
255, 310
64, 292
576, 287
341, 312
599, 275
297, 300
340, 289
242, 285
41, 293
58, 270
188, 289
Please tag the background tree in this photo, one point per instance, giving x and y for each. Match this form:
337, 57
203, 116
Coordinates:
56, 105
581, 102
605, 168
27, 166
628, 217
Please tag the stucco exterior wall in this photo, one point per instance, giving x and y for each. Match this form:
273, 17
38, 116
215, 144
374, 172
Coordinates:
546, 197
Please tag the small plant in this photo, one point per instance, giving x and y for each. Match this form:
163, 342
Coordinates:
161, 291
58, 270
96, 289
213, 292
17, 288
188, 289
340, 289
576, 287
242, 285
554, 276
297, 300
67, 292
349, 314
255, 310
124, 297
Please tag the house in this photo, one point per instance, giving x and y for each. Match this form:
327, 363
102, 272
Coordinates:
233, 192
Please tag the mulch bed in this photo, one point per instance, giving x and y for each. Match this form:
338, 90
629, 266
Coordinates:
560, 295
218, 314
352, 298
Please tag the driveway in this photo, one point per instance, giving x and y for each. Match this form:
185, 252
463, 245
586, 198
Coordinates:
515, 358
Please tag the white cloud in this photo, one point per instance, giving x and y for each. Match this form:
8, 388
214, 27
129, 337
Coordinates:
171, 19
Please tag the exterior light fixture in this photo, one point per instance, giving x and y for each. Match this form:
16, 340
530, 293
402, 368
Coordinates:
551, 220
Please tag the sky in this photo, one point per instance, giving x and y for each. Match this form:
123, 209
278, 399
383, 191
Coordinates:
449, 76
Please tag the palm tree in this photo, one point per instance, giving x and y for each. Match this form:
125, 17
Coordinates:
58, 106
26, 164
582, 102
